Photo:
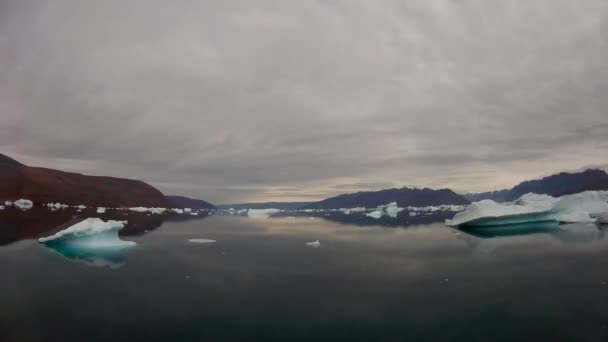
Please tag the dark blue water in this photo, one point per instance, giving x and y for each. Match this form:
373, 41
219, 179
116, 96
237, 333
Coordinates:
260, 282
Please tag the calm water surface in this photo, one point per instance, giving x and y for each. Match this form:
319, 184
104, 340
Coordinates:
260, 282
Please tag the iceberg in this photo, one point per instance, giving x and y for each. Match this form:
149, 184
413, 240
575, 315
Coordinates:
376, 214
314, 244
90, 233
262, 213
582, 207
93, 242
23, 204
391, 210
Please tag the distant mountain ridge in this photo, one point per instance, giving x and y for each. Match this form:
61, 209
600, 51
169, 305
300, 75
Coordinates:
43, 185
265, 205
555, 185
404, 197
186, 202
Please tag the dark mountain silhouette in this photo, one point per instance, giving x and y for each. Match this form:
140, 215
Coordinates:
404, 197
185, 202
562, 184
43, 185
496, 196
555, 185
265, 205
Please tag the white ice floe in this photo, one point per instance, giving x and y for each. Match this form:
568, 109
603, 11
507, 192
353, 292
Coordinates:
56, 206
101, 210
23, 204
187, 210
262, 213
391, 210
348, 211
157, 211
90, 233
581, 207
194, 214
1, 207
8, 203
314, 244
436, 208
81, 207
178, 210
148, 210
375, 214
201, 241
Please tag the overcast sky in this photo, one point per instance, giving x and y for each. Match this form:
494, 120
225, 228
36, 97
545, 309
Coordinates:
234, 101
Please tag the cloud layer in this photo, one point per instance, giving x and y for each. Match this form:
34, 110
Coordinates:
279, 100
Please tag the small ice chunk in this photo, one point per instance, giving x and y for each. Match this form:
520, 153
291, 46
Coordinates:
314, 244
101, 210
178, 210
201, 240
8, 203
1, 207
187, 210
23, 204
81, 207
376, 214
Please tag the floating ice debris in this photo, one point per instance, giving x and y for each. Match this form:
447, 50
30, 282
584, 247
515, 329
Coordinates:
81, 207
194, 214
157, 210
314, 244
90, 233
241, 211
201, 240
101, 210
178, 211
148, 210
8, 203
432, 208
581, 207
391, 210
262, 213
1, 207
187, 210
23, 204
375, 214
348, 211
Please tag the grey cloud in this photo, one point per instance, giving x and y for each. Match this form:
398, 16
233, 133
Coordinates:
248, 101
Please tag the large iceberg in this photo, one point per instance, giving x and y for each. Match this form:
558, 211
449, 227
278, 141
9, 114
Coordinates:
90, 233
92, 242
582, 207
